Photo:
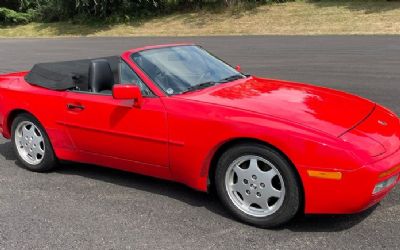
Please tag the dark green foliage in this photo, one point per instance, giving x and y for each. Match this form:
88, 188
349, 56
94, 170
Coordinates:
113, 10
10, 4
8, 16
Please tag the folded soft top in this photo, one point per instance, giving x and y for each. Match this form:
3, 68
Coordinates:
66, 75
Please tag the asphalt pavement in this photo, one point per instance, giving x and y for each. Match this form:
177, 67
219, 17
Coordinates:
87, 207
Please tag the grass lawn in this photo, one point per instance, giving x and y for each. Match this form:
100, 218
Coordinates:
293, 18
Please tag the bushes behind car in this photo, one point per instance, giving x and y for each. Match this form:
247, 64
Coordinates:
8, 17
23, 11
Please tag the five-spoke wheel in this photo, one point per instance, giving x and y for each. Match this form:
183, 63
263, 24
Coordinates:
31, 143
257, 184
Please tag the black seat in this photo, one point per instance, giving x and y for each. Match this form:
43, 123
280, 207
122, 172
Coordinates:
101, 78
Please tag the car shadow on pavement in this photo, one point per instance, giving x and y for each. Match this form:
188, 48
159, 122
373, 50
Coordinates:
327, 223
144, 183
315, 223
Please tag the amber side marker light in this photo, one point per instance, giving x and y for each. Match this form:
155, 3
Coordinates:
325, 174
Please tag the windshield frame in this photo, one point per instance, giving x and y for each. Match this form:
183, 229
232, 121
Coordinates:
133, 53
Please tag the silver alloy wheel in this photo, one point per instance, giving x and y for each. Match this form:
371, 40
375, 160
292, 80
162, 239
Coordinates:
255, 186
29, 142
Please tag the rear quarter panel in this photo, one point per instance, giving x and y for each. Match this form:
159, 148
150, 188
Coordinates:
46, 105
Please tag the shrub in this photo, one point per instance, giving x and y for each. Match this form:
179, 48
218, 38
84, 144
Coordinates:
8, 16
84, 10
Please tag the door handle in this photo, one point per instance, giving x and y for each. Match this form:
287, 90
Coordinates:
75, 107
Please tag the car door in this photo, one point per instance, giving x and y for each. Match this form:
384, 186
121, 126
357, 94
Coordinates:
98, 124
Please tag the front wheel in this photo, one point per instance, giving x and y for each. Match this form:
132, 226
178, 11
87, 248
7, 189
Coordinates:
257, 185
31, 144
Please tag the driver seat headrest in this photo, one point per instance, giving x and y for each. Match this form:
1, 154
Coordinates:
101, 77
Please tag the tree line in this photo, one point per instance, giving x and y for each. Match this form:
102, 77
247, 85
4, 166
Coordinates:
24, 11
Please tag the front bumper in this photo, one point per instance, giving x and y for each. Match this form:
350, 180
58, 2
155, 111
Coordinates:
354, 191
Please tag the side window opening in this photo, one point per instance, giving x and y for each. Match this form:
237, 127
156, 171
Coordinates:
128, 76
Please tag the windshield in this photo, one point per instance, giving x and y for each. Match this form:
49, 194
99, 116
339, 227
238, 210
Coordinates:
183, 68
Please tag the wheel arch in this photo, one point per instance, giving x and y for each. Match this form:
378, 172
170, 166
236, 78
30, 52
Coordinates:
10, 118
237, 141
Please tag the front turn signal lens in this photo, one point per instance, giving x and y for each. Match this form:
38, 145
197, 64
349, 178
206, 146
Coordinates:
325, 174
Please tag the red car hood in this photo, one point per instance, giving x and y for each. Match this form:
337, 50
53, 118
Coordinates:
327, 110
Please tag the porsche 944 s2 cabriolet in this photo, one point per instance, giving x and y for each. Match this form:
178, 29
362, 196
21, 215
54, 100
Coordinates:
269, 148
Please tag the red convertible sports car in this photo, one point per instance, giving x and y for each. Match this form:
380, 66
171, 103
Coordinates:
269, 148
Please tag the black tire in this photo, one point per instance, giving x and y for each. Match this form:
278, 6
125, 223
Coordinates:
48, 162
291, 200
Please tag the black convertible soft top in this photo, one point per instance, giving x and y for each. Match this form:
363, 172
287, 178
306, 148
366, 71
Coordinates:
68, 74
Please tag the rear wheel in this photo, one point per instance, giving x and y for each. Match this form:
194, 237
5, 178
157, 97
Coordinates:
257, 185
31, 144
